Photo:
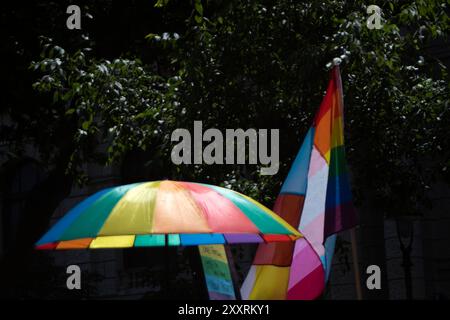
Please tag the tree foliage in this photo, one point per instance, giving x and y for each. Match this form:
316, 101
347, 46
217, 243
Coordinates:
120, 104
244, 64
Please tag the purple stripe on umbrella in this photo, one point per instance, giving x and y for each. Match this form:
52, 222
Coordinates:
243, 238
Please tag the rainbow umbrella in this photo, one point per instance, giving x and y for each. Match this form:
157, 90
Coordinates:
160, 213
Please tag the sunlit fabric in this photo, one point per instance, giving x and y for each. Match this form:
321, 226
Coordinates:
112, 242
165, 212
196, 239
150, 240
316, 199
75, 244
173, 239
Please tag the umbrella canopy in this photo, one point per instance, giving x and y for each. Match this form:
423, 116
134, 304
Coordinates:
168, 212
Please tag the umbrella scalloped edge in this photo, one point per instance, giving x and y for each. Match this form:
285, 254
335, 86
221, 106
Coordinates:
158, 240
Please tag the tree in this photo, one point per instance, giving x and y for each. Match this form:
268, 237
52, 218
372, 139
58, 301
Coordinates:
264, 65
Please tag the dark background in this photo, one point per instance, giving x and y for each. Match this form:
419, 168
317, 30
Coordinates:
242, 65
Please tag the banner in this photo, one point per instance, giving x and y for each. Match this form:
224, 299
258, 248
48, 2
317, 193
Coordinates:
217, 272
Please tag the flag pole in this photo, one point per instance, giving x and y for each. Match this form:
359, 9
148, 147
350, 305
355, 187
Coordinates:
356, 264
352, 230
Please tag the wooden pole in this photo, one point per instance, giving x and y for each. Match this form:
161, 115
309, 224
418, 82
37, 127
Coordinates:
356, 264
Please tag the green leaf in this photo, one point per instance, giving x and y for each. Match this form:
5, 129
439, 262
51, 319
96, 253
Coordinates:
86, 125
55, 96
67, 96
199, 7
150, 36
161, 3
198, 19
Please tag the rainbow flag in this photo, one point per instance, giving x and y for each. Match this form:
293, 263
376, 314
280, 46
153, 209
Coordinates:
316, 199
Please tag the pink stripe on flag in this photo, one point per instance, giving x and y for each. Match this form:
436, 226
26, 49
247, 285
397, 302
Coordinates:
313, 232
316, 163
310, 287
305, 261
